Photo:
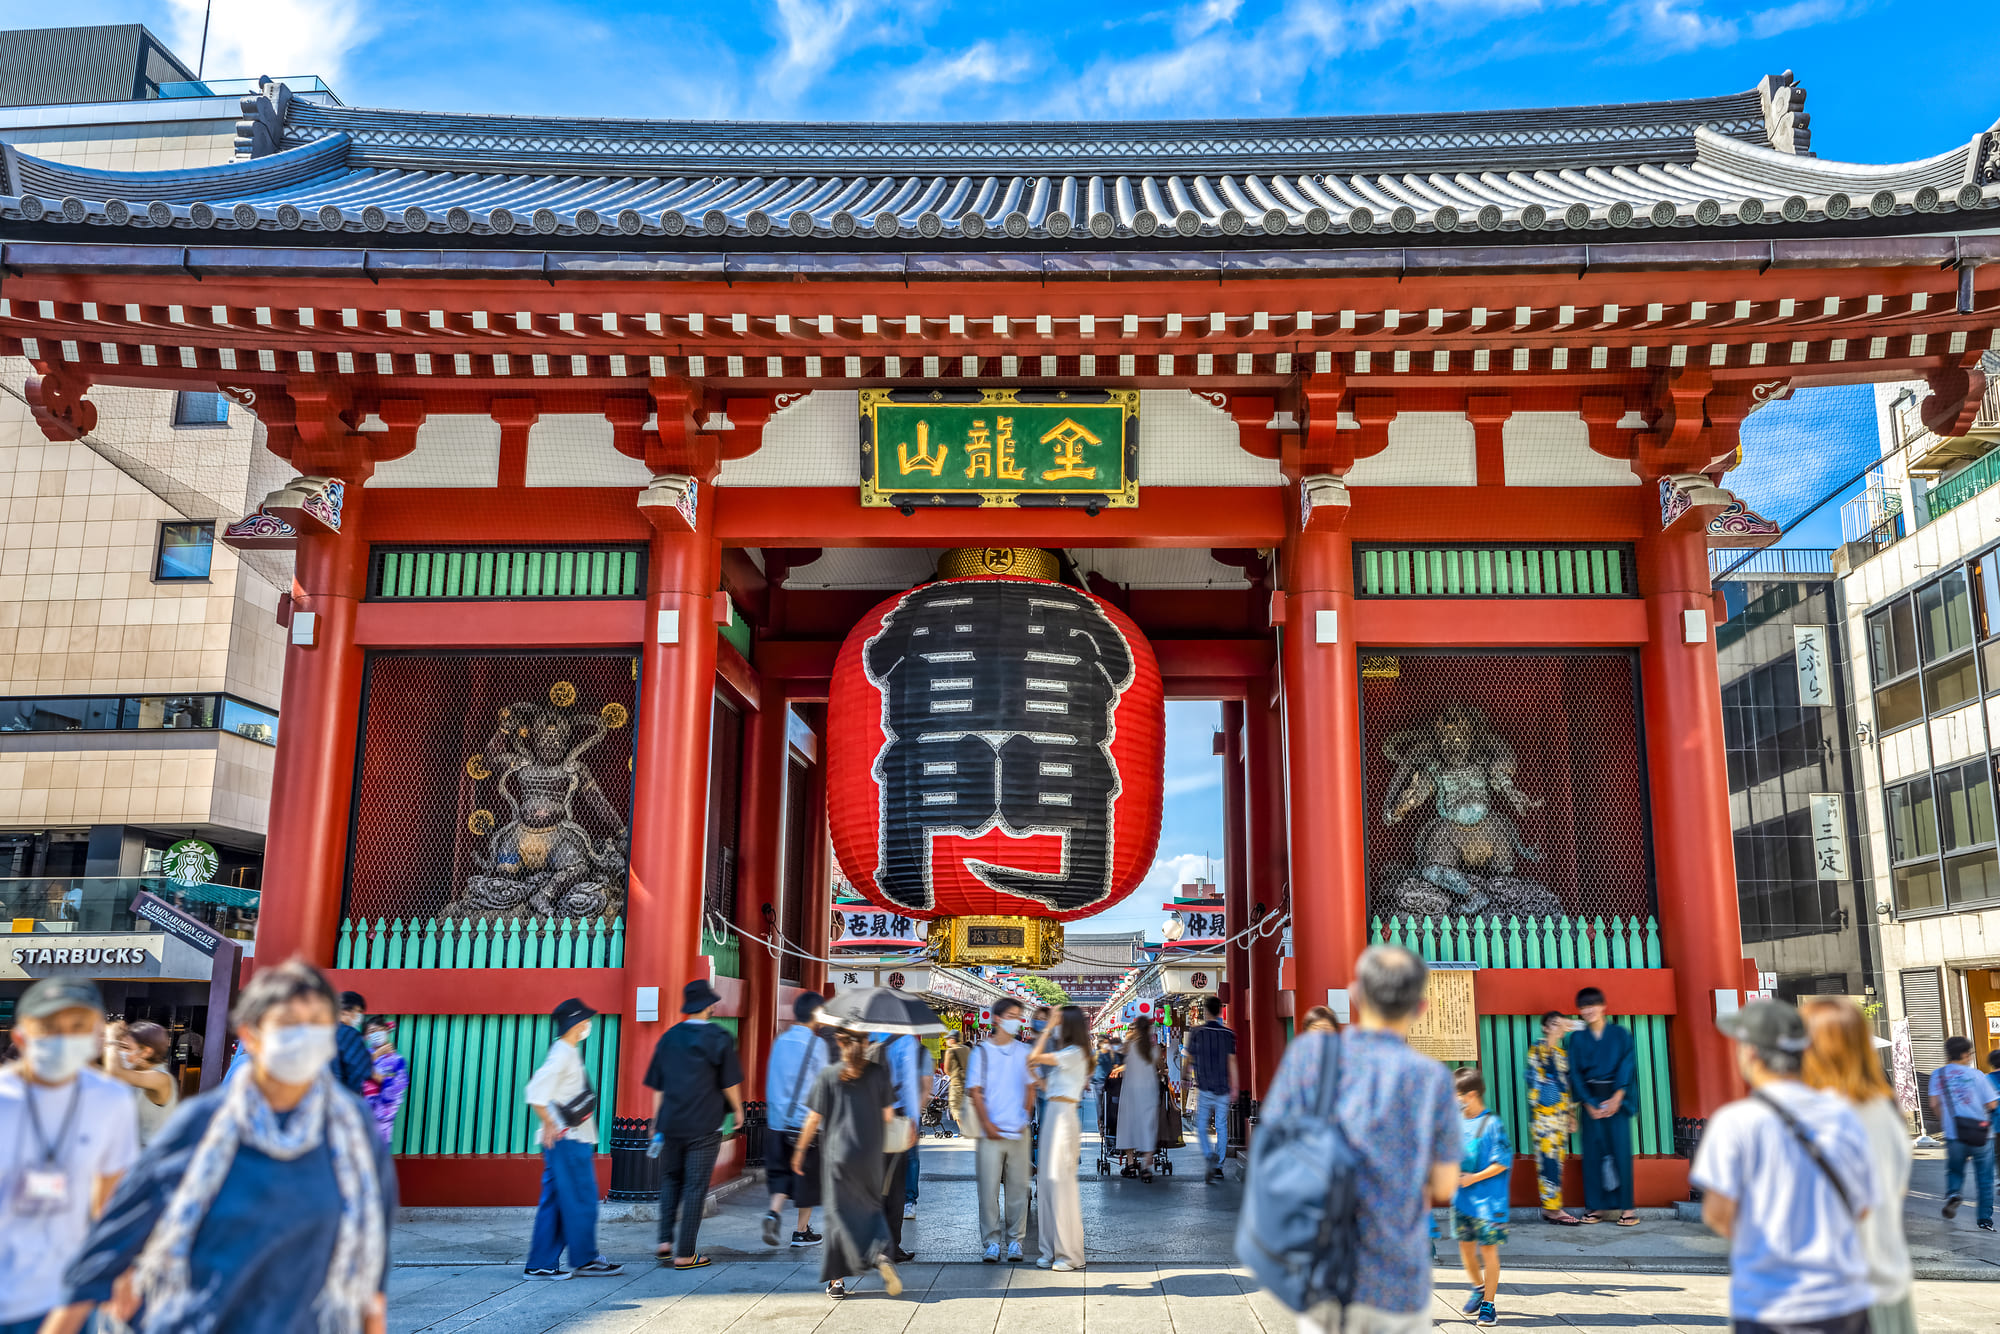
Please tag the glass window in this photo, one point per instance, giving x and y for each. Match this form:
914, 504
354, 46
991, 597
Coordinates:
185, 550
1912, 822
1918, 887
1899, 705
247, 720
1951, 684
200, 409
1965, 806
1892, 641
1945, 616
1986, 606
1973, 877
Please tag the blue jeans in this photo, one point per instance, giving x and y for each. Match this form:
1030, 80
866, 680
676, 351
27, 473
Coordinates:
1212, 1109
910, 1177
566, 1215
1035, 1133
22, 1326
1955, 1155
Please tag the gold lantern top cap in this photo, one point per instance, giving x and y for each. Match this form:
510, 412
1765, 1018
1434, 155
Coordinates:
1022, 562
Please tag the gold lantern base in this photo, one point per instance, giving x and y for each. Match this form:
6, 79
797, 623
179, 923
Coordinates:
1021, 942
1027, 562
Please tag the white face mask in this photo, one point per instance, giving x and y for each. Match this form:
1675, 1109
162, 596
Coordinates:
295, 1053
584, 1036
1010, 1027
57, 1059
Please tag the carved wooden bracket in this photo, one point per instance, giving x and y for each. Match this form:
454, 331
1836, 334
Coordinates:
1319, 446
56, 397
404, 417
749, 416
677, 444
1956, 392
1252, 414
1601, 414
1488, 414
1675, 445
628, 414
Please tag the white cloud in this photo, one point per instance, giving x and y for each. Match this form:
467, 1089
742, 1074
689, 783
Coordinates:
814, 35
1170, 873
923, 90
1198, 18
1671, 26
1182, 784
248, 38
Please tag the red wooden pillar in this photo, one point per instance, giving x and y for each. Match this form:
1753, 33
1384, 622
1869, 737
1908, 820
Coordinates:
1322, 704
1700, 932
760, 833
1235, 879
670, 787
1264, 765
312, 783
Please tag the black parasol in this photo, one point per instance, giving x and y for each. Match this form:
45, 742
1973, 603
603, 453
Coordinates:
879, 1010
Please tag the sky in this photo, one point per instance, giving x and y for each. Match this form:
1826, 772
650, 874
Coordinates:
1872, 71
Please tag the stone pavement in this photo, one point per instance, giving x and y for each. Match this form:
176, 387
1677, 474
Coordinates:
1177, 1219
784, 1297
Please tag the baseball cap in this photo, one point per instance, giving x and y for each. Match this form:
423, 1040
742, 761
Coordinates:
1770, 1024
52, 995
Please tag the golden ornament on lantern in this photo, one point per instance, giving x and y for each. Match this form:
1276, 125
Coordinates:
1021, 562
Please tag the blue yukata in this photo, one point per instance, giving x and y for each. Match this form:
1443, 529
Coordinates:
260, 1255
1600, 1064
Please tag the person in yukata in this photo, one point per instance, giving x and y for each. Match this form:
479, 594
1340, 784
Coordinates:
264, 1206
1603, 1078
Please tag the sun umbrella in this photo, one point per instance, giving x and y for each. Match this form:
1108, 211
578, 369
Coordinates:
879, 1010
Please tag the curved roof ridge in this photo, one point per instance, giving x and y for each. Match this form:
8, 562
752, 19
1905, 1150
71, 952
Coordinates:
1422, 142
242, 178
1819, 176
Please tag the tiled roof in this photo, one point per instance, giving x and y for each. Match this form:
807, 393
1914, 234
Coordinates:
1653, 170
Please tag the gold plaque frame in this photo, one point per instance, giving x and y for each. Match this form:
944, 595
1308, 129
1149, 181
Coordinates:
1448, 1029
1123, 495
951, 942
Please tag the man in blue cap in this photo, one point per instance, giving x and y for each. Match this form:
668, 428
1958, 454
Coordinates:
694, 1076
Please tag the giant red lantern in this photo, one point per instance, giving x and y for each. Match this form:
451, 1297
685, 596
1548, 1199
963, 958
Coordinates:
995, 747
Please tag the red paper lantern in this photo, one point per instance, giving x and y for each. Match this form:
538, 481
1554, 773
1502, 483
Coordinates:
995, 747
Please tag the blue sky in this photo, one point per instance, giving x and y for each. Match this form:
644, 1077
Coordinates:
1879, 91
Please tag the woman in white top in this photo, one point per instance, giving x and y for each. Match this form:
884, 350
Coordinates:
1842, 1060
1138, 1128
137, 1055
1063, 1050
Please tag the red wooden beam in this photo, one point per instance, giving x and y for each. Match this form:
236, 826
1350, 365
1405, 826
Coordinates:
482, 990
1471, 514
1215, 658
737, 677
584, 624
1489, 622
833, 516
1539, 990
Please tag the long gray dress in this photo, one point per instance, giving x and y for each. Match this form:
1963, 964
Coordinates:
852, 1167
1139, 1103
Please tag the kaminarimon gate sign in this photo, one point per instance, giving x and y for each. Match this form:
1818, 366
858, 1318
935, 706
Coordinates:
586, 493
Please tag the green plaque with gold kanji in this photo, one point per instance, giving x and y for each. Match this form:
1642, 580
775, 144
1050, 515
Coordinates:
1069, 448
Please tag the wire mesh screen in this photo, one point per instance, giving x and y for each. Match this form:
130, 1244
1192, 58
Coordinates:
493, 786
1504, 784
725, 790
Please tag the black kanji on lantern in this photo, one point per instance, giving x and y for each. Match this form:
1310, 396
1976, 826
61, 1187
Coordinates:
997, 708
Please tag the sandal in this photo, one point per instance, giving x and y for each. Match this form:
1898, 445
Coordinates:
1628, 1220
837, 1288
696, 1262
1562, 1218
1588, 1220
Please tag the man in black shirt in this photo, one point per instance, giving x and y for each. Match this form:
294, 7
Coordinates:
1211, 1063
694, 1077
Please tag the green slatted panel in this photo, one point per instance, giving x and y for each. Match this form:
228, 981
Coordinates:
534, 943
468, 1074
556, 572
1572, 570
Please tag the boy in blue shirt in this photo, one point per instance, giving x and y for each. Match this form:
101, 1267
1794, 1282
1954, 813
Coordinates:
1479, 1209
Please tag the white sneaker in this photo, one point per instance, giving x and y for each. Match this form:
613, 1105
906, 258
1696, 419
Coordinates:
909, 1212
1063, 1267
992, 1254
1043, 1263
1013, 1252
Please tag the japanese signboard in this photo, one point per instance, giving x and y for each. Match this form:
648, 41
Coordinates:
972, 447
1815, 672
1829, 836
1448, 1029
874, 929
1902, 1062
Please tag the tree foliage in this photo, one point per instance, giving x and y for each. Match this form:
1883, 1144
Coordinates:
1049, 992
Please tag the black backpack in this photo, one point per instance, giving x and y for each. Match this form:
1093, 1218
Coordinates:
1298, 1232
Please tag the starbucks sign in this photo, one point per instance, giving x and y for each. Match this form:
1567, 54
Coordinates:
190, 862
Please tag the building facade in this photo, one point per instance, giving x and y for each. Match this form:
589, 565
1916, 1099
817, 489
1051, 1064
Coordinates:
1420, 428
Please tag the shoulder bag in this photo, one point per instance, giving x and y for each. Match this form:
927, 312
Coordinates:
1972, 1131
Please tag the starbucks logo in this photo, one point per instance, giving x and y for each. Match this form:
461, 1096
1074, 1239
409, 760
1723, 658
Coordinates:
190, 862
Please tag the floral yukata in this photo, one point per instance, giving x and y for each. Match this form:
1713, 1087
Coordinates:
1554, 1118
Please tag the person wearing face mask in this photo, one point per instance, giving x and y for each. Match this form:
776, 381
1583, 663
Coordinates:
67, 1133
137, 1055
560, 1096
351, 1063
264, 1205
997, 1082
390, 1079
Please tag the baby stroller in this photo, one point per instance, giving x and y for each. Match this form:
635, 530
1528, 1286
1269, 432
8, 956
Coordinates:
931, 1120
1108, 1150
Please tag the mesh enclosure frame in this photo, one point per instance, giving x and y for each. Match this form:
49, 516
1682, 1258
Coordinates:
1564, 877
384, 875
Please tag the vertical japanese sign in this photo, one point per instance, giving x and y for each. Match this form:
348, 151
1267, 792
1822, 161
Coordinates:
1815, 673
1829, 835
1903, 1063
972, 447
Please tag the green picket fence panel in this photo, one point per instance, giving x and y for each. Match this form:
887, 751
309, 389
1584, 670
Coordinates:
1504, 1040
468, 1073
1526, 942
505, 573
1479, 571
726, 950
535, 942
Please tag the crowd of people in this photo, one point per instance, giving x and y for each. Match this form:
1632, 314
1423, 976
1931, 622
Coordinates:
264, 1204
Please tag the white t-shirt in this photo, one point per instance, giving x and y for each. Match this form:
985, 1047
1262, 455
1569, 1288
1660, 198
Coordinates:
1066, 1078
1882, 1239
560, 1079
1001, 1074
1796, 1253
100, 1139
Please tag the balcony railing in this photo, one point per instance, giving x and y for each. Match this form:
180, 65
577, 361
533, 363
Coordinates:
1963, 485
309, 86
104, 903
1772, 560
